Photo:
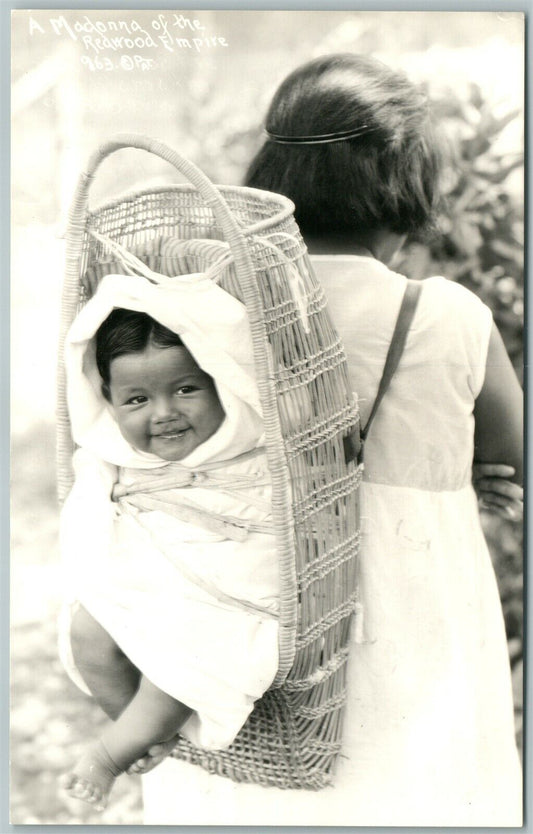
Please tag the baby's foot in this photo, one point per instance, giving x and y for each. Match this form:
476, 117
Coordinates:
153, 757
92, 777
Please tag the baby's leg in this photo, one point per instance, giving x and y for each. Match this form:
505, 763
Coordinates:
152, 716
109, 674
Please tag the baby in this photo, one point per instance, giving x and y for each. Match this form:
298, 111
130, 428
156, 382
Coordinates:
173, 598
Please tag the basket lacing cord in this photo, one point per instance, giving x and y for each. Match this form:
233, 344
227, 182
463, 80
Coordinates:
296, 284
294, 278
214, 272
140, 495
131, 262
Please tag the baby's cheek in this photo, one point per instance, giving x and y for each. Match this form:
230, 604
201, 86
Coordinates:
213, 414
134, 431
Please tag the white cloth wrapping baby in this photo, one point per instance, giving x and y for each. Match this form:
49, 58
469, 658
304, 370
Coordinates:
194, 610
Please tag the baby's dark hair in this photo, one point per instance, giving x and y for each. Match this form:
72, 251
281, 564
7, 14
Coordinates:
386, 178
127, 331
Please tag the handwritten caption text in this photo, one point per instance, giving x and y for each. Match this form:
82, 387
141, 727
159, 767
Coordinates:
138, 45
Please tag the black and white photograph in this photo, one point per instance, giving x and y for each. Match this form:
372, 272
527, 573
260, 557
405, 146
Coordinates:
267, 370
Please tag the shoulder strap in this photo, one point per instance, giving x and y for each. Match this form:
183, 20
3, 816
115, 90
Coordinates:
403, 323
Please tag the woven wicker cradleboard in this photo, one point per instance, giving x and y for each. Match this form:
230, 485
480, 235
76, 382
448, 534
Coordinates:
293, 736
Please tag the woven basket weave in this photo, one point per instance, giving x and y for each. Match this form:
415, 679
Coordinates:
293, 735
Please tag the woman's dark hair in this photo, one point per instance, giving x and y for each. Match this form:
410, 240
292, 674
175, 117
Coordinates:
127, 331
388, 177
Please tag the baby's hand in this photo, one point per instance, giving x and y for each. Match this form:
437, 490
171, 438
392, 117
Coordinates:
496, 493
153, 757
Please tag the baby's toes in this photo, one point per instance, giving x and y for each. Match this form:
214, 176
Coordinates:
89, 792
97, 798
80, 788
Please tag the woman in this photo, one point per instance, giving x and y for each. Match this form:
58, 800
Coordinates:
429, 736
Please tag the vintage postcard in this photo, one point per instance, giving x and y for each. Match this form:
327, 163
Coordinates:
246, 247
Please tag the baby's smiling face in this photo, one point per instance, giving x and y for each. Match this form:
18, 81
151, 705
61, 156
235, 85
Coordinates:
163, 402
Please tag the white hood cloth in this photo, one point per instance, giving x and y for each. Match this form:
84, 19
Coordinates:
195, 611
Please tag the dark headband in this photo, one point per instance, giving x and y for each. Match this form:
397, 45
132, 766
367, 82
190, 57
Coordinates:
320, 139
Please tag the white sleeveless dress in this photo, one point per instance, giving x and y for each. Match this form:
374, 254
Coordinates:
428, 730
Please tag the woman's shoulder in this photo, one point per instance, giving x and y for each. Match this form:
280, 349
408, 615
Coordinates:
369, 276
451, 291
359, 289
454, 307
366, 294
453, 325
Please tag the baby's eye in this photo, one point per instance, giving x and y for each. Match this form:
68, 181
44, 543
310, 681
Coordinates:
186, 389
138, 399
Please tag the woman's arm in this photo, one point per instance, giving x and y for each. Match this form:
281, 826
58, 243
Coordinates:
498, 434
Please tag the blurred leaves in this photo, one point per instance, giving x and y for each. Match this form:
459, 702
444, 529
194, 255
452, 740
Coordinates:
480, 243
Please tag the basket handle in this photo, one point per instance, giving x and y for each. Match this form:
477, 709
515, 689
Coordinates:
74, 241
233, 235
212, 197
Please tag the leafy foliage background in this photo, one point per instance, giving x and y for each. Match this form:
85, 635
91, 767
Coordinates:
210, 108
